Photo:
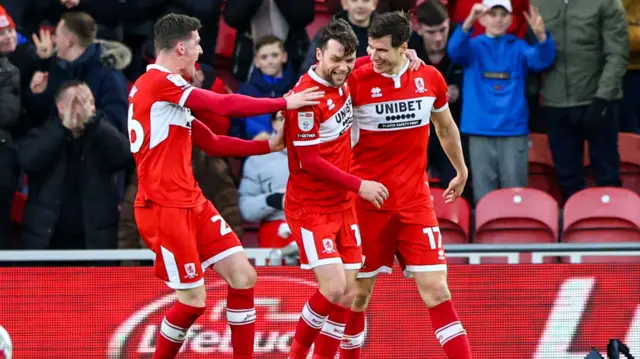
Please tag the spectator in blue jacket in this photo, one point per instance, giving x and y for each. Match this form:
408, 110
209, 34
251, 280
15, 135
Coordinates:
495, 114
271, 77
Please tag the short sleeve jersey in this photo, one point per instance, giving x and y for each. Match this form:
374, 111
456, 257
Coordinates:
327, 125
391, 130
160, 136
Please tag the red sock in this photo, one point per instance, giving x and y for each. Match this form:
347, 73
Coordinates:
327, 343
241, 315
173, 330
353, 336
314, 315
449, 331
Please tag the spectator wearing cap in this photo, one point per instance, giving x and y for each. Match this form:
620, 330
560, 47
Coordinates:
630, 106
582, 90
459, 9
495, 112
10, 111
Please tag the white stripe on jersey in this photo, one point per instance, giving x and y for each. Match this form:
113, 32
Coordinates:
337, 124
395, 115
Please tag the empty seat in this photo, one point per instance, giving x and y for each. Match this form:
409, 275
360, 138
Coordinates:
602, 214
629, 146
453, 219
542, 174
516, 215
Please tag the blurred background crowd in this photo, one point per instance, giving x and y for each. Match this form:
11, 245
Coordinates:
559, 126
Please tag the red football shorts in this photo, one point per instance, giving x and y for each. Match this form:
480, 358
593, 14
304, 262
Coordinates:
412, 235
186, 241
327, 238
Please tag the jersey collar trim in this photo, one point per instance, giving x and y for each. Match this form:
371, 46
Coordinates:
397, 77
157, 67
315, 77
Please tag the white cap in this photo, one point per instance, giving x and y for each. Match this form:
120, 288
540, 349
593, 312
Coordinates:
493, 3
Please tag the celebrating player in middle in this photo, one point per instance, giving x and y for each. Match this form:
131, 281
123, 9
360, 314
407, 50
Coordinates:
318, 204
393, 110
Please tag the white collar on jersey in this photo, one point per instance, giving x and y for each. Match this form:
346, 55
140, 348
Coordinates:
312, 73
157, 67
396, 77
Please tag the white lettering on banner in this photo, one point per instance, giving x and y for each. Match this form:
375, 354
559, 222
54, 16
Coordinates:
395, 115
565, 317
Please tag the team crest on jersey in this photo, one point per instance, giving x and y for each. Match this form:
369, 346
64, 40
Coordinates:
376, 92
327, 243
305, 121
190, 269
419, 81
330, 104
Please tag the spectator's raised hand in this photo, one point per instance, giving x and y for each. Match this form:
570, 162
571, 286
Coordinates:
44, 44
536, 22
39, 82
476, 12
70, 3
84, 105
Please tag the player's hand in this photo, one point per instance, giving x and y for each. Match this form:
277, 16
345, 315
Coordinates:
456, 186
415, 61
276, 142
304, 98
373, 192
39, 82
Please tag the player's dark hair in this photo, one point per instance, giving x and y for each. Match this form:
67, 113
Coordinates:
395, 24
432, 13
268, 40
339, 30
82, 25
173, 28
67, 85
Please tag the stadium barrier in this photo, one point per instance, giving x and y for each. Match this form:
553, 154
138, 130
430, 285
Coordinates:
538, 311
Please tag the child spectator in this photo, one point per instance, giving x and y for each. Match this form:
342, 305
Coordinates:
272, 77
494, 112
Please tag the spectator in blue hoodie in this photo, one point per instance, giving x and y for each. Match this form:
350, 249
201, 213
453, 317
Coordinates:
495, 112
271, 77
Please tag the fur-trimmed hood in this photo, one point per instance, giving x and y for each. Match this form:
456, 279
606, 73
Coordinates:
114, 54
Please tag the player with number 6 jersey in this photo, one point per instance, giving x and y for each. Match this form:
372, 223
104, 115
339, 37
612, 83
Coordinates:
174, 218
393, 111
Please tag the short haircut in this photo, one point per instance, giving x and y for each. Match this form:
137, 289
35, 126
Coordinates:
173, 28
268, 40
339, 30
432, 13
81, 25
395, 24
67, 85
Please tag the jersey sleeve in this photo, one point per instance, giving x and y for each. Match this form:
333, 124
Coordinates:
304, 126
440, 89
174, 89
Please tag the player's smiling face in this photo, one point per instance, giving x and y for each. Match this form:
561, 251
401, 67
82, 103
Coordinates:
385, 57
334, 65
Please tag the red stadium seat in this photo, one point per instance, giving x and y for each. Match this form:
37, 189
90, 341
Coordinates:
516, 215
453, 219
542, 174
629, 146
602, 214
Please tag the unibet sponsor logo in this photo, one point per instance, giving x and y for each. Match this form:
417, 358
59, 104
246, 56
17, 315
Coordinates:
345, 116
400, 114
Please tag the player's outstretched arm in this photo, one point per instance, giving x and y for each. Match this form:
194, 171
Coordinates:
324, 170
244, 106
449, 137
225, 146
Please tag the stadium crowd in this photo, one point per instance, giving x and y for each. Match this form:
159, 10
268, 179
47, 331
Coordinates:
68, 184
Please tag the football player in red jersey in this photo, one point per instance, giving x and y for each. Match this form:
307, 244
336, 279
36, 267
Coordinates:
318, 202
176, 221
393, 111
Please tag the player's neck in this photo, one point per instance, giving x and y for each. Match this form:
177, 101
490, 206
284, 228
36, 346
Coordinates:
168, 63
398, 67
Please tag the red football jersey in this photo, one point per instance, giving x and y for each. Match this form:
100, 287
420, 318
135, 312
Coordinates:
391, 130
327, 124
160, 136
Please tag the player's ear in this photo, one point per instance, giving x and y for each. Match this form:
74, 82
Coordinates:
180, 48
318, 54
285, 57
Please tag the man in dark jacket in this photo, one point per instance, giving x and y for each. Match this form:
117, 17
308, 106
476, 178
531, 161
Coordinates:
10, 111
71, 161
272, 77
79, 58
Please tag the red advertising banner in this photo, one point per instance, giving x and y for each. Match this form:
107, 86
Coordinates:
509, 311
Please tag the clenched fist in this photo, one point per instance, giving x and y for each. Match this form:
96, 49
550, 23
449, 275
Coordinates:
373, 192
